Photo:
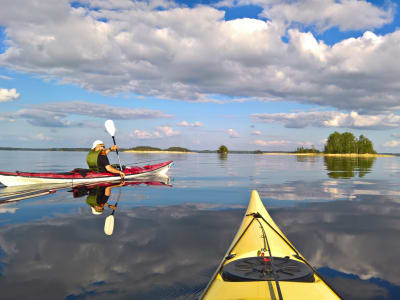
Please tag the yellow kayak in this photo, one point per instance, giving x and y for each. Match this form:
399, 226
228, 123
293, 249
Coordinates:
261, 263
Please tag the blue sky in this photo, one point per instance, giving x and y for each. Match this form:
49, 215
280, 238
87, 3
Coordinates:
268, 75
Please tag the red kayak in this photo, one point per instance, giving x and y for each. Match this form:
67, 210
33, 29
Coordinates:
78, 176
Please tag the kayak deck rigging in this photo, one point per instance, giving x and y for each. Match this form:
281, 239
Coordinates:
261, 263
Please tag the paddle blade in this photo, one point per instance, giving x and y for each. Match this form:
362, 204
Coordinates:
110, 127
109, 225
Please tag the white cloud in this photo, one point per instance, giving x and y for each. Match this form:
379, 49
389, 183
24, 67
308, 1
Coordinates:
193, 54
391, 144
142, 134
8, 95
330, 119
272, 143
256, 132
232, 133
41, 137
187, 124
168, 131
5, 77
347, 15
56, 114
160, 132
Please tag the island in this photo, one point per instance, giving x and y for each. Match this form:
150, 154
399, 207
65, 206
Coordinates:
149, 149
341, 144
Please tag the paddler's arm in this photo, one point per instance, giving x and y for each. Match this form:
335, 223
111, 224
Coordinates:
112, 148
111, 169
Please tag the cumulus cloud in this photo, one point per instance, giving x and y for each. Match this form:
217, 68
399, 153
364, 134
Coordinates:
41, 137
7, 95
256, 132
347, 15
330, 119
232, 133
391, 144
167, 131
272, 143
187, 124
5, 77
142, 134
193, 54
56, 114
160, 132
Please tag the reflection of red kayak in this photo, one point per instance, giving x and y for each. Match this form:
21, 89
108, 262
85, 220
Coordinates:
81, 190
78, 176
21, 192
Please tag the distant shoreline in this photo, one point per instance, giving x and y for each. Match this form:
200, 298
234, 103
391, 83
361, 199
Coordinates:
204, 152
158, 151
331, 154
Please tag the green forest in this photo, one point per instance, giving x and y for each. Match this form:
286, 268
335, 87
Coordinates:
346, 142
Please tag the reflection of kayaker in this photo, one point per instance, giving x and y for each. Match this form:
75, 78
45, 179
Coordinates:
98, 198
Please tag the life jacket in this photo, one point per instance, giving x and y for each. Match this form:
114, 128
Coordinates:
95, 196
92, 200
91, 160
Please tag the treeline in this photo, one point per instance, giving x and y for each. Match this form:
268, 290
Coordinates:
44, 149
149, 148
307, 150
343, 143
347, 143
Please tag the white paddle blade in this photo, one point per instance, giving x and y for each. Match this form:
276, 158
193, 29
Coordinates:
110, 127
109, 225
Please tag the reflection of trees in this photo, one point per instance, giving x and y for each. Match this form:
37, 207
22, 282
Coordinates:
347, 167
306, 158
223, 156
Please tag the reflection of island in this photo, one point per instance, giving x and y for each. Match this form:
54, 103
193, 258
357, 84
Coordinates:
348, 167
149, 149
223, 156
305, 158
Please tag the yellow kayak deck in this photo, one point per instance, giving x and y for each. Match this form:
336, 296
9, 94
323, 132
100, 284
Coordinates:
261, 263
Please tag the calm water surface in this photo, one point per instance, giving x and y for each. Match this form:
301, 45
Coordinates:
342, 214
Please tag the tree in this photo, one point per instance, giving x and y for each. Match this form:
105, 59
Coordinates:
223, 149
306, 150
348, 143
364, 145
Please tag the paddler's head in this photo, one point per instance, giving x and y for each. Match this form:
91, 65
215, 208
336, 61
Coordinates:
97, 210
98, 145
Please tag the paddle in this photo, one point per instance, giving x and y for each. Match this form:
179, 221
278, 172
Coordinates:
109, 224
110, 127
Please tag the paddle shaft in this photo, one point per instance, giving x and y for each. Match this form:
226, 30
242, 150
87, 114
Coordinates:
119, 161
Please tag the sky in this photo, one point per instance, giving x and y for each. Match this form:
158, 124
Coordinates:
250, 74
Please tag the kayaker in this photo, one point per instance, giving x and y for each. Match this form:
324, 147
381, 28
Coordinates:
97, 159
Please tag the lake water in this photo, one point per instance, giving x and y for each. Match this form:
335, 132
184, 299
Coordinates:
343, 215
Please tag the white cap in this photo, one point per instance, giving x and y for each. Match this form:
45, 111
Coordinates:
96, 142
95, 212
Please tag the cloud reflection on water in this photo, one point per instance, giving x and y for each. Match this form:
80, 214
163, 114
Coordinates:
327, 190
171, 252
359, 238
153, 250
